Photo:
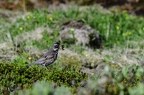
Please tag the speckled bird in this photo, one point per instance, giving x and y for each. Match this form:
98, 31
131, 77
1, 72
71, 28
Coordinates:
49, 57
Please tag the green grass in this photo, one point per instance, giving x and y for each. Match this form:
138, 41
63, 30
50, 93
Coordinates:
120, 32
116, 29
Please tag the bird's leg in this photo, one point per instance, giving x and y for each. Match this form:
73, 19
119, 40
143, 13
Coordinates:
44, 66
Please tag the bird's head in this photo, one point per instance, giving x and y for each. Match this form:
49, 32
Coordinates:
56, 46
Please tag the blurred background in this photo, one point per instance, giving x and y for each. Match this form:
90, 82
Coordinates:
133, 6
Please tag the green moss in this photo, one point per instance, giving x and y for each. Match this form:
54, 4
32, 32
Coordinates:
13, 76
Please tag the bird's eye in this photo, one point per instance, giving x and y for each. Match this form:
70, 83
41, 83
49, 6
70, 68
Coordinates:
56, 46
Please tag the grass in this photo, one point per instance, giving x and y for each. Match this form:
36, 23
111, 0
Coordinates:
120, 25
121, 54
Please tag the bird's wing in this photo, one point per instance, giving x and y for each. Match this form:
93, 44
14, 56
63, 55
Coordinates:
45, 60
40, 61
50, 59
48, 53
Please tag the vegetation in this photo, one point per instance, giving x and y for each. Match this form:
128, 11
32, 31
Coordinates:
121, 32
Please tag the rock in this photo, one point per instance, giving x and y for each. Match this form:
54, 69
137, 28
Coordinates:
79, 33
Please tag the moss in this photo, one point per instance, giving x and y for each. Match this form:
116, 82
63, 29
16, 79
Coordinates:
13, 76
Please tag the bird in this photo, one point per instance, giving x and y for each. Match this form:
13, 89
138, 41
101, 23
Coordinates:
49, 57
